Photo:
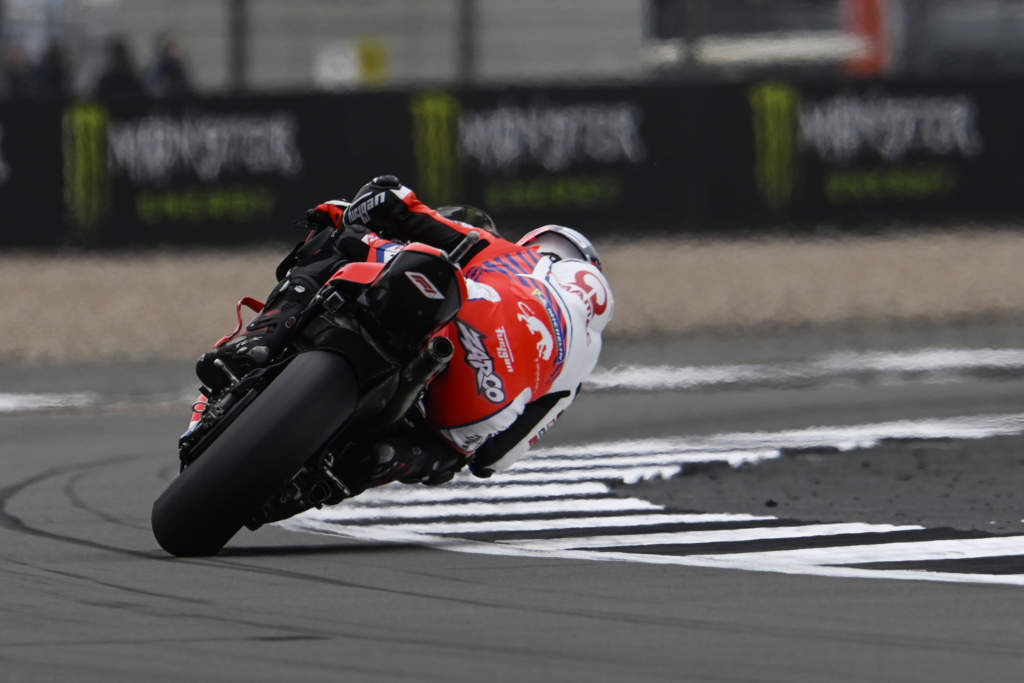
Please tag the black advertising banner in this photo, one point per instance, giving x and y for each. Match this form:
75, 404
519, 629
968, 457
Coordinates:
877, 150
30, 174
592, 157
612, 160
180, 172
219, 170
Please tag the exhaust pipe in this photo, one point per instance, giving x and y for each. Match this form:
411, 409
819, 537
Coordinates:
434, 357
415, 375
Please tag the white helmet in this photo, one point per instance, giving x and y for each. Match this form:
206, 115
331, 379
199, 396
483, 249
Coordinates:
562, 242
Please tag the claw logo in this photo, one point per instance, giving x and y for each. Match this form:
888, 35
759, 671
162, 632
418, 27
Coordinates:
546, 344
488, 384
589, 288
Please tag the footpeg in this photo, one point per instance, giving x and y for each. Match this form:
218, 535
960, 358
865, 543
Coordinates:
222, 366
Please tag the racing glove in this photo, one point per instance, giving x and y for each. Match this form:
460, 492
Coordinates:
326, 215
376, 206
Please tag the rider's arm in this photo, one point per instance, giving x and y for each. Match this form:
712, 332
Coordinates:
386, 206
322, 244
341, 245
501, 450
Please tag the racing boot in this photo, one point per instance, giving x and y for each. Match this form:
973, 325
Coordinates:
263, 338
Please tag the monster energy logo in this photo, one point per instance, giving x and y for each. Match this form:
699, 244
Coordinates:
435, 134
86, 181
775, 110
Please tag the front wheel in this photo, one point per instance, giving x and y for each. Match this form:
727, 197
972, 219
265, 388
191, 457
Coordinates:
256, 455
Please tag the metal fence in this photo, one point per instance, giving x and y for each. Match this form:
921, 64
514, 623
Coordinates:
340, 45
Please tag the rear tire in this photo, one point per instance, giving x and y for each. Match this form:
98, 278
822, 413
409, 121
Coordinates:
256, 455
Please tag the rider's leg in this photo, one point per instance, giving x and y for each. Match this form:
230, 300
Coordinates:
268, 333
417, 456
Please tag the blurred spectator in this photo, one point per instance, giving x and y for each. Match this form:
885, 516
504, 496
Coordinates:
119, 77
17, 73
167, 74
51, 73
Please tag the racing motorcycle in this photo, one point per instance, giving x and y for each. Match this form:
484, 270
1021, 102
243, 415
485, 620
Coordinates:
279, 439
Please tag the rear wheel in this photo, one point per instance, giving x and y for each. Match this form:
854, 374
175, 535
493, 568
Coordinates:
294, 416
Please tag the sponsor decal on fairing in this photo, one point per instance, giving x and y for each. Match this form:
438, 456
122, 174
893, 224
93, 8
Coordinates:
488, 384
423, 283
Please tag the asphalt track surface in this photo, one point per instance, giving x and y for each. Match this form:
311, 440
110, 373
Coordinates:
87, 594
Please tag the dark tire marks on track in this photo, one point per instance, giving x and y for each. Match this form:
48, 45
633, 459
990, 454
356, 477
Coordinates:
88, 595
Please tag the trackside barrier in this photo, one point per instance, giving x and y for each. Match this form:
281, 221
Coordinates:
621, 160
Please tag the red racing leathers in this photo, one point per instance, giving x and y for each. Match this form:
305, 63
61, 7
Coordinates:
525, 339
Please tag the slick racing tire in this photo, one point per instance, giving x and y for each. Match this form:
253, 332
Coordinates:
256, 455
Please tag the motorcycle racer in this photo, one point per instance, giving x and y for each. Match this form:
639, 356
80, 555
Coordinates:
525, 338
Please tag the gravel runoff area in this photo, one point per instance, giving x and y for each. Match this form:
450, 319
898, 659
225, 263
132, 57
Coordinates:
74, 307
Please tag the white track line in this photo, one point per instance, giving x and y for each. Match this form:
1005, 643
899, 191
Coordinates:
350, 513
628, 475
742, 562
952, 549
400, 495
618, 521
423, 515
715, 536
737, 561
545, 460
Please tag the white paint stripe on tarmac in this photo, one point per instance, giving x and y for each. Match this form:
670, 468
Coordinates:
628, 475
742, 562
736, 562
401, 495
543, 462
667, 377
953, 549
616, 521
417, 514
350, 513
715, 536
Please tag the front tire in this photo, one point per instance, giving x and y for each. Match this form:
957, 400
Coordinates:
256, 455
